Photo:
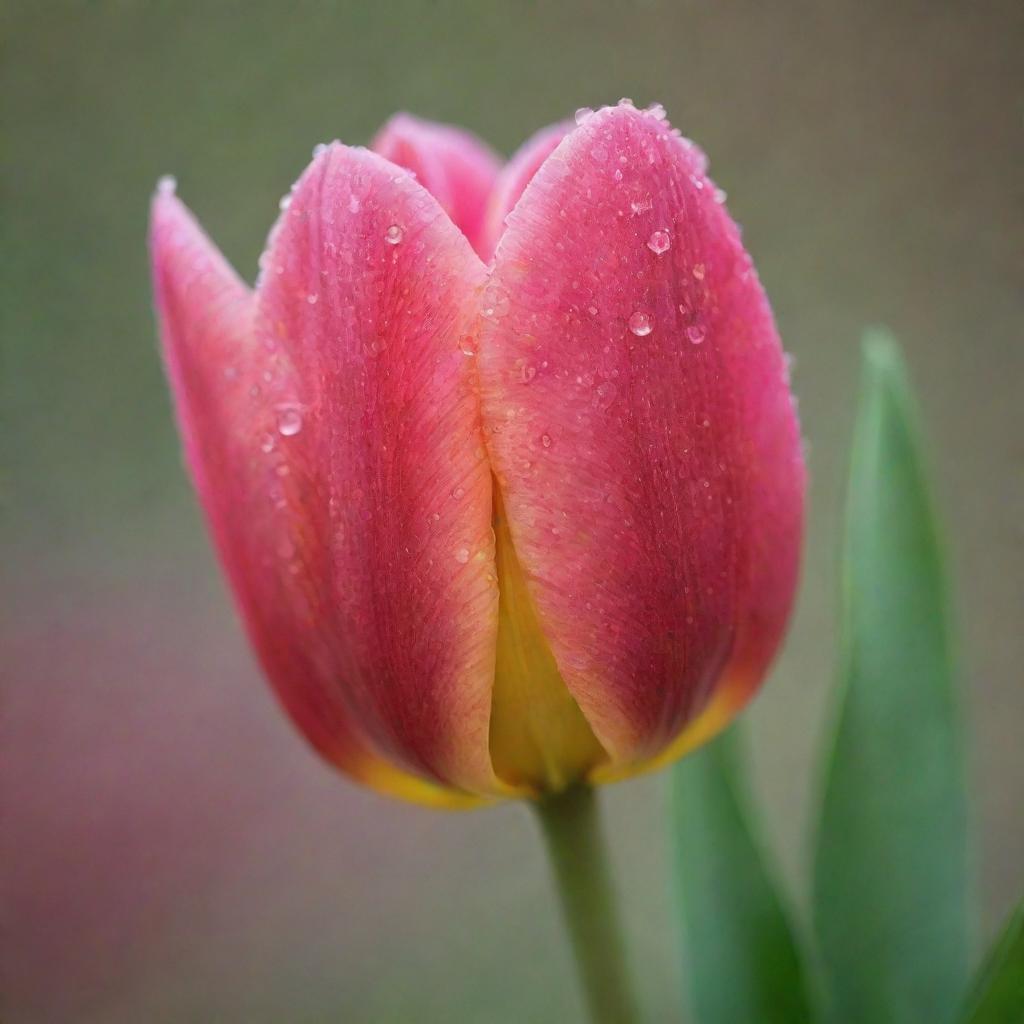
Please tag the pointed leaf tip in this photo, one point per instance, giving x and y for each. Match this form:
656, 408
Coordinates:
891, 874
884, 367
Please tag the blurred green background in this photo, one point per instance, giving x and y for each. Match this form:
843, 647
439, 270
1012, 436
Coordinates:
170, 850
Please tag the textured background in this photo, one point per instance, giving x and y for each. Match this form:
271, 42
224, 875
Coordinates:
170, 850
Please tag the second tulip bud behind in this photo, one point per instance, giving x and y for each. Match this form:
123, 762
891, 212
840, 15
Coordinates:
494, 528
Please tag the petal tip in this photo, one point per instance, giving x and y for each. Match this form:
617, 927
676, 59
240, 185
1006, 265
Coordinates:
651, 120
455, 166
164, 205
398, 123
166, 185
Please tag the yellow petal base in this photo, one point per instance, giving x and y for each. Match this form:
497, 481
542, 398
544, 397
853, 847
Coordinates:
538, 735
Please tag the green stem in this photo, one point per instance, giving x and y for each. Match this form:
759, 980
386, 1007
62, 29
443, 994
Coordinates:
579, 863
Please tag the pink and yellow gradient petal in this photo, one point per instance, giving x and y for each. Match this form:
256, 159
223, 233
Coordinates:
640, 424
254, 433
370, 291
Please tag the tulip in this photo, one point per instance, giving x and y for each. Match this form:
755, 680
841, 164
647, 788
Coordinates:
501, 463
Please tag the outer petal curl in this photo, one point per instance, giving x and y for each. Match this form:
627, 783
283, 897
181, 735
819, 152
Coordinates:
639, 418
376, 637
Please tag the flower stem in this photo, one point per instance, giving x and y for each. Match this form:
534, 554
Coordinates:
578, 856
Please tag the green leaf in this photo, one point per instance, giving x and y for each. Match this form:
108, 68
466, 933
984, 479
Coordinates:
890, 883
742, 958
998, 993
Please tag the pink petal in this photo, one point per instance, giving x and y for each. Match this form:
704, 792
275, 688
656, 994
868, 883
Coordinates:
371, 291
640, 422
454, 166
514, 178
236, 399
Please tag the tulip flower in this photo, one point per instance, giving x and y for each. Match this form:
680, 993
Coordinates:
501, 462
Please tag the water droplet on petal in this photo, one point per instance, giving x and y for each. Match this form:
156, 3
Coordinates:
289, 422
720, 196
584, 114
640, 324
462, 556
657, 111
696, 333
545, 439
353, 203
495, 302
617, 175
458, 492
312, 298
659, 242
285, 201
393, 235
267, 443
604, 395
319, 149
167, 185
467, 345
699, 270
